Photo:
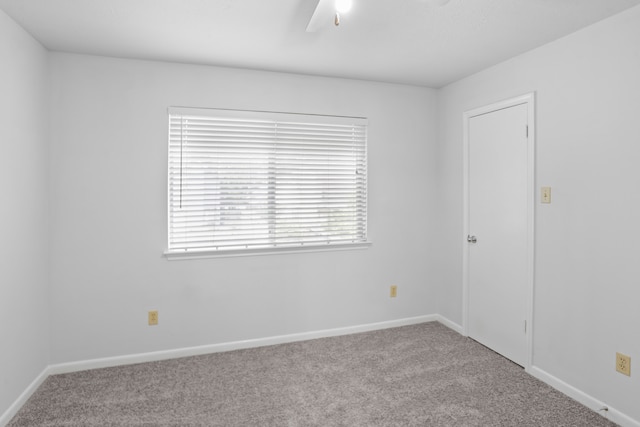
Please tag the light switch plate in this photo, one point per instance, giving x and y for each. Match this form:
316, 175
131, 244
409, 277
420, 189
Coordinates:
546, 195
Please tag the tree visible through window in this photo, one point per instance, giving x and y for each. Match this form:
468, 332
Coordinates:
241, 180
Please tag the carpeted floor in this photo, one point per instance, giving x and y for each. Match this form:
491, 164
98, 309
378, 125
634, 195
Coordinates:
422, 375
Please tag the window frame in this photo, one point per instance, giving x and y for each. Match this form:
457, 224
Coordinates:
195, 253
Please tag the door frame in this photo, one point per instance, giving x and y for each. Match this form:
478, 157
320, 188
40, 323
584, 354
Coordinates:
529, 100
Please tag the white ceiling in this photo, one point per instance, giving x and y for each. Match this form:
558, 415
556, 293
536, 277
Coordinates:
400, 41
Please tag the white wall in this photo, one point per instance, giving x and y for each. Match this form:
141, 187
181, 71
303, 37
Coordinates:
107, 170
588, 148
109, 155
24, 317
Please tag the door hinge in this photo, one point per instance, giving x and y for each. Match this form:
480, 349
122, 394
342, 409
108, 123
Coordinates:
525, 326
527, 130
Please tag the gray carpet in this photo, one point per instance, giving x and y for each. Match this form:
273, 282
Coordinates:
422, 375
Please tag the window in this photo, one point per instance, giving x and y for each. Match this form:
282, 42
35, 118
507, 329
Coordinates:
244, 181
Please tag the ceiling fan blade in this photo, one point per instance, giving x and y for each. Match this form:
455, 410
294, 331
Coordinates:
322, 16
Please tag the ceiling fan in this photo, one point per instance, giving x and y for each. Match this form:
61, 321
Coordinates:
330, 10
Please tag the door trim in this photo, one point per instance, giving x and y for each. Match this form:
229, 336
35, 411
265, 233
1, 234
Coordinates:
528, 99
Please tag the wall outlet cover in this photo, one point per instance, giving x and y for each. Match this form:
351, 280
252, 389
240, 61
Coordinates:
623, 364
153, 317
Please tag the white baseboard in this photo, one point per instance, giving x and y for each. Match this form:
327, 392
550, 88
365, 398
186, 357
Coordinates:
449, 324
590, 402
22, 399
106, 362
235, 345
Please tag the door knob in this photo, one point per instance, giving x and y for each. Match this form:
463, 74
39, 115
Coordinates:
471, 239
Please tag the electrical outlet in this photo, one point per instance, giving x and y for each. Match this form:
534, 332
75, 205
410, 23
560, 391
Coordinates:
153, 317
623, 364
394, 291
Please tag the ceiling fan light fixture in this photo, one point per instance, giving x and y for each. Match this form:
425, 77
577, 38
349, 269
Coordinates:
343, 6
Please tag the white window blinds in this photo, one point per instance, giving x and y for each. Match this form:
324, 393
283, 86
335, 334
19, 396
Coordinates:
241, 180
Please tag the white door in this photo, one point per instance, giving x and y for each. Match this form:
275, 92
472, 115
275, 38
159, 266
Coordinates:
498, 242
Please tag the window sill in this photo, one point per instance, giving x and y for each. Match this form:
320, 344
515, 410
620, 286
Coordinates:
194, 254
